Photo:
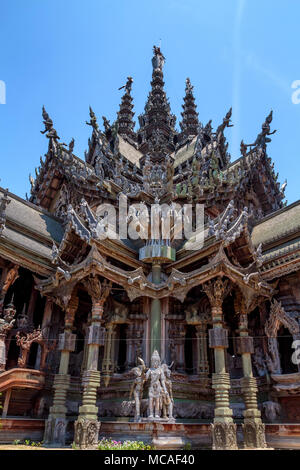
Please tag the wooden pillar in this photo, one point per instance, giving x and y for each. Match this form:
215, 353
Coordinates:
107, 365
202, 359
223, 428
46, 321
55, 427
86, 428
254, 429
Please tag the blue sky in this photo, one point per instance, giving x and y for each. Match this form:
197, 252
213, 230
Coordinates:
70, 54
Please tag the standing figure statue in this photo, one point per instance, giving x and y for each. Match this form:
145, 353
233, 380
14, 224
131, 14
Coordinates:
157, 387
160, 395
168, 401
137, 388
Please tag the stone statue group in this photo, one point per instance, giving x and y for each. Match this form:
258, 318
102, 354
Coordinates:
160, 395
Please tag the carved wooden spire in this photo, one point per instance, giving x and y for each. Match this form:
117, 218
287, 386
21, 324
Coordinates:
125, 115
156, 134
190, 123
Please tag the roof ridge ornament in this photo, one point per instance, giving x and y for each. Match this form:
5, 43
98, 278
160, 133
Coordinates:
263, 137
49, 129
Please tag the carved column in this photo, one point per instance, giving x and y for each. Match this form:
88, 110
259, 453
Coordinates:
55, 427
202, 359
107, 363
155, 314
45, 328
86, 428
130, 345
254, 429
223, 429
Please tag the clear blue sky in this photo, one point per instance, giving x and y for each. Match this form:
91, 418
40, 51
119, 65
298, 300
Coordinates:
69, 54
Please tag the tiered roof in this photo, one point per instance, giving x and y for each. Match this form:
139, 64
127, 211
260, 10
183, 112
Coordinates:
155, 162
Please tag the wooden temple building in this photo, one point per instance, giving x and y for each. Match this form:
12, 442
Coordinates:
77, 309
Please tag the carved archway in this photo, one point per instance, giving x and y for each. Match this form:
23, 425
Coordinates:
277, 317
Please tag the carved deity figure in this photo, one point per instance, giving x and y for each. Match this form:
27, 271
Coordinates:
49, 129
168, 400
260, 362
157, 387
169, 173
93, 122
192, 315
6, 324
137, 388
158, 59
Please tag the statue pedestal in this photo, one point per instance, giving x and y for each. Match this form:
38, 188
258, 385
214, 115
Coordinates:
156, 420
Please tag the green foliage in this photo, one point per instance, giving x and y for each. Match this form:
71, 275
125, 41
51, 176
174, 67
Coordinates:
187, 446
36, 444
110, 444
73, 446
27, 442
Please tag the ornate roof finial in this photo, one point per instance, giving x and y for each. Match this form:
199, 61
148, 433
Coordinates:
125, 114
190, 123
158, 60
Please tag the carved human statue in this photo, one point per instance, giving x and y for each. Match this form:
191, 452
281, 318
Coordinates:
168, 400
157, 387
137, 387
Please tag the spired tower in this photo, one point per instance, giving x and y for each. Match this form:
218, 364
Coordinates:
116, 289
